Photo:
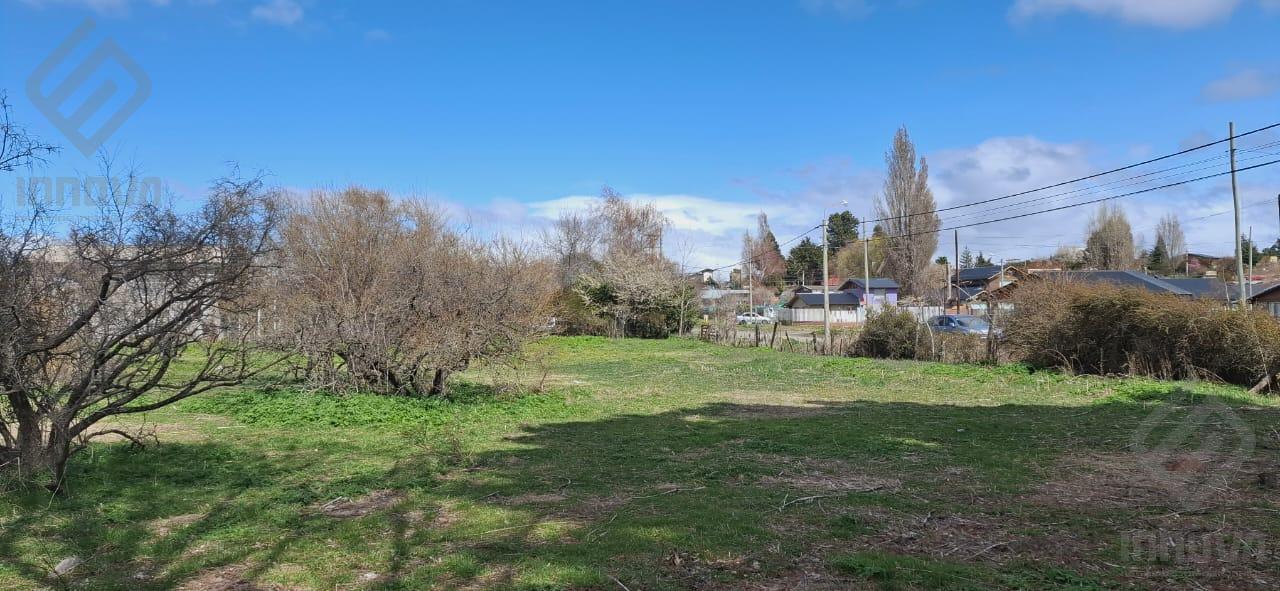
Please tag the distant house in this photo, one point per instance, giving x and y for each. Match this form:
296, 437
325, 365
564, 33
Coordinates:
846, 300
839, 300
987, 278
1209, 288
883, 291
1266, 297
713, 299
1126, 279
1136, 279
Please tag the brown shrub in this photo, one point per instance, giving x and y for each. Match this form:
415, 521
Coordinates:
1109, 329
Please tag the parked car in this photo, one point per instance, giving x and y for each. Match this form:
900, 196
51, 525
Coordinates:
753, 318
962, 324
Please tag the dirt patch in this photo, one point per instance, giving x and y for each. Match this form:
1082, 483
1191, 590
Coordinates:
1145, 480
773, 411
227, 578
534, 499
166, 526
824, 475
343, 508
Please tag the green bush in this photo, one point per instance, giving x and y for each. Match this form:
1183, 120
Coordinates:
1105, 329
891, 333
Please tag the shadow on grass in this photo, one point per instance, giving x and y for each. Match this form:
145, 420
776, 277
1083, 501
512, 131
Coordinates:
695, 498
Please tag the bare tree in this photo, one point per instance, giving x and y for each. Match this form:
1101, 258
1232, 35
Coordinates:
383, 295
906, 209
97, 316
634, 285
1109, 243
573, 242
19, 148
1169, 230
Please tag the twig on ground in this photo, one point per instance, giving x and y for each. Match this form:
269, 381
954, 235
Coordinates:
667, 492
786, 503
615, 579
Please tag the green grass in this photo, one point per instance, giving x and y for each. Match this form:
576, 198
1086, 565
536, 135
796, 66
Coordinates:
661, 464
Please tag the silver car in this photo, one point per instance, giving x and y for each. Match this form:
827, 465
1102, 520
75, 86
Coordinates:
962, 324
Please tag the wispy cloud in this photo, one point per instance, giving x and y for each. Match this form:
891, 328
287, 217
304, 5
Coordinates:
1250, 83
285, 13
1171, 14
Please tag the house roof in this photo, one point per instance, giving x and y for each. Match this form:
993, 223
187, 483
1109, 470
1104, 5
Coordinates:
715, 294
968, 293
876, 283
1201, 287
838, 298
1127, 279
1258, 290
978, 273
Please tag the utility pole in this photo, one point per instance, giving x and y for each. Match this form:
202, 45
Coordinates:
1251, 249
826, 291
866, 268
1235, 199
955, 234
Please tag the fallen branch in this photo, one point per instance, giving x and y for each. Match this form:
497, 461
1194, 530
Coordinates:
667, 492
786, 503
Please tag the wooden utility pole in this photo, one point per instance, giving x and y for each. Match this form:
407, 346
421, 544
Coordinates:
826, 291
866, 270
1251, 249
1235, 199
955, 234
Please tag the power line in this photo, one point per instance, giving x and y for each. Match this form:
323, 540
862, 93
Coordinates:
1087, 191
1083, 178
1082, 203
780, 245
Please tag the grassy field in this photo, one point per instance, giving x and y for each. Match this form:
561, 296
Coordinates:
679, 465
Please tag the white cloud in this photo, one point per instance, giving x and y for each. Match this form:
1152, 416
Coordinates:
851, 9
1172, 14
1243, 85
278, 12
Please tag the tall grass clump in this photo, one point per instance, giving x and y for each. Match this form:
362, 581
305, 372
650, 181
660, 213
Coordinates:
1109, 329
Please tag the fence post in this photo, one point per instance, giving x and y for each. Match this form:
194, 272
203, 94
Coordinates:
757, 326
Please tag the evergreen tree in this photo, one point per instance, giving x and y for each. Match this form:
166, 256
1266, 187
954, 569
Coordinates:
805, 261
982, 261
966, 259
842, 228
1158, 258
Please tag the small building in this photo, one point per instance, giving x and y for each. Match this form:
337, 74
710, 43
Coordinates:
883, 291
1208, 288
1266, 298
839, 300
807, 307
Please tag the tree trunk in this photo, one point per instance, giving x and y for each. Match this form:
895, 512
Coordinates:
439, 382
40, 456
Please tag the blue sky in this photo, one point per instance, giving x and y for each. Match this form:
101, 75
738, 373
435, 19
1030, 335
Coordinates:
508, 111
